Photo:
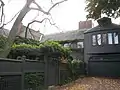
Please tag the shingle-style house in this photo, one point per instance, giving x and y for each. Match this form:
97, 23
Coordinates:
73, 39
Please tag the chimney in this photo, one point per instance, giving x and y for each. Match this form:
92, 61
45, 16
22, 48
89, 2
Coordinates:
104, 21
85, 24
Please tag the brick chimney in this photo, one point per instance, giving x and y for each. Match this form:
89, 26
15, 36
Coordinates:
85, 24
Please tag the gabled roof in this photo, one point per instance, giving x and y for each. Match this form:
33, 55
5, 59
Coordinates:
70, 35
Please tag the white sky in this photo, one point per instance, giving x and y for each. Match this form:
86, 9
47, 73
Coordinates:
66, 15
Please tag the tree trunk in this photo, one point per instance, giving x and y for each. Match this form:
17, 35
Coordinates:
14, 30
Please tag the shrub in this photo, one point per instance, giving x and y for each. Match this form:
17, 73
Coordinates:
34, 80
76, 67
35, 50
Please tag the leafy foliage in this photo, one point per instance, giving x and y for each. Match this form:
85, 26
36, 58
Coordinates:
56, 46
35, 50
95, 8
74, 67
34, 80
75, 70
3, 41
21, 40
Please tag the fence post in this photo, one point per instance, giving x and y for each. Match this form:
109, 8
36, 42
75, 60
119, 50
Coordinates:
59, 71
46, 70
22, 70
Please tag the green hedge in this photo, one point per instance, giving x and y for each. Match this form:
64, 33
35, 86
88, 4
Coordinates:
30, 47
35, 50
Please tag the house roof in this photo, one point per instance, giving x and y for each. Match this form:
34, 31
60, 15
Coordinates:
70, 35
31, 33
4, 32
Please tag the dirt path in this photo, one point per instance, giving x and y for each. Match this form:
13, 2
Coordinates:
92, 83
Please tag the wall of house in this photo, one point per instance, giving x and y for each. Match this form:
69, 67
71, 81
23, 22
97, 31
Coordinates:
77, 49
78, 54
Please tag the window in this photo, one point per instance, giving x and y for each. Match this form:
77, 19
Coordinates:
115, 35
94, 40
110, 40
80, 45
67, 45
104, 38
99, 39
74, 45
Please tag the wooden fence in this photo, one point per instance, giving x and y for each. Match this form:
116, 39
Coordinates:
12, 72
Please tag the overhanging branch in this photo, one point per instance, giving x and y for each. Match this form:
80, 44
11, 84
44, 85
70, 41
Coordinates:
46, 12
56, 5
27, 28
2, 14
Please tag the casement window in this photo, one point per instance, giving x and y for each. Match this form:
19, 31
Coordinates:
93, 40
110, 39
99, 39
115, 36
104, 39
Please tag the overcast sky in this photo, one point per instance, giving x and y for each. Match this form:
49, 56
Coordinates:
66, 15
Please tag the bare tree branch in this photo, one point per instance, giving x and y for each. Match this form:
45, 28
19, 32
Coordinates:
56, 5
12, 18
41, 10
54, 22
27, 28
2, 23
2, 14
2, 3
48, 12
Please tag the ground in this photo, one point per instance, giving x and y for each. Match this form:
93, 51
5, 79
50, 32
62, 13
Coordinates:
92, 83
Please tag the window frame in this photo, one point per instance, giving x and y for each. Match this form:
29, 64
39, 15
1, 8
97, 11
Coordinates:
80, 43
115, 37
94, 40
100, 38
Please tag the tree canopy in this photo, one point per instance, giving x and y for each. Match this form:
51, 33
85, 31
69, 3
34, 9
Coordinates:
96, 8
